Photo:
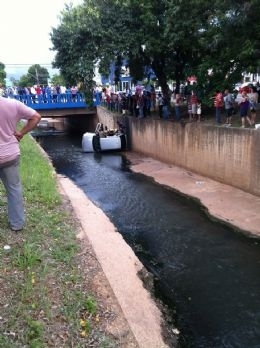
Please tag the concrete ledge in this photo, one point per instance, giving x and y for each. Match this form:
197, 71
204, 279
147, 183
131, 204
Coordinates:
120, 266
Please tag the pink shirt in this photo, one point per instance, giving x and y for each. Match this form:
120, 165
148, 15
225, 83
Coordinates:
11, 112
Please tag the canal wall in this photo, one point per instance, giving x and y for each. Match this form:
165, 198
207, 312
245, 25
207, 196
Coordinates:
228, 155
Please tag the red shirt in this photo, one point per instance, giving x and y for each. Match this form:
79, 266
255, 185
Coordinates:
38, 90
218, 100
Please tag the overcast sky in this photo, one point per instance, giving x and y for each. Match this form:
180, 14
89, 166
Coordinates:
25, 28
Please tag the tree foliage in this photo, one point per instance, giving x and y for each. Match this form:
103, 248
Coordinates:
76, 41
57, 80
2, 74
230, 45
36, 75
214, 40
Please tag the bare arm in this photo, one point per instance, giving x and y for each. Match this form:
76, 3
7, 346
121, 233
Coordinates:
30, 125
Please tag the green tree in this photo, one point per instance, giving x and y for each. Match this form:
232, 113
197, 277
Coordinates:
172, 39
57, 80
76, 41
2, 74
36, 75
140, 35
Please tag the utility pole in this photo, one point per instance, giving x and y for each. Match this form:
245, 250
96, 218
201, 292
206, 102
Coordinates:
37, 76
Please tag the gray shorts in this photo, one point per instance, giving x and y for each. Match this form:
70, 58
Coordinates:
194, 108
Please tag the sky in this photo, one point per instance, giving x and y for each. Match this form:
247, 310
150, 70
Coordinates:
25, 28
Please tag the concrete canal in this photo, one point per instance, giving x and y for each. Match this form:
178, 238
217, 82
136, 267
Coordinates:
208, 275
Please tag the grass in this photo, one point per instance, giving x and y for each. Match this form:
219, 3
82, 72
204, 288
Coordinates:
44, 299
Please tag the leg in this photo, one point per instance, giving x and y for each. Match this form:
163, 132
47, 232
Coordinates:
253, 117
228, 121
177, 113
160, 111
249, 120
218, 115
11, 180
141, 112
165, 112
229, 117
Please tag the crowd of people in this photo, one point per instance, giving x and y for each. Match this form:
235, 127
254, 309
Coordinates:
41, 93
227, 104
245, 102
141, 102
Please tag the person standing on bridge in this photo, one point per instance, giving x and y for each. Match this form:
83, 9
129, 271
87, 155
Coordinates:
11, 112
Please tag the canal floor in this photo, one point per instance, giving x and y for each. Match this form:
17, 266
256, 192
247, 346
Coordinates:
239, 209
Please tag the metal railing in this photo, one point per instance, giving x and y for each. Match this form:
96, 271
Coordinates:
52, 101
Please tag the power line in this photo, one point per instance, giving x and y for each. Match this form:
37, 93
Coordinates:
28, 64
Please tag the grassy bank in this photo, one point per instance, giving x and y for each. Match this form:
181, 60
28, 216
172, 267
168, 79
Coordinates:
44, 298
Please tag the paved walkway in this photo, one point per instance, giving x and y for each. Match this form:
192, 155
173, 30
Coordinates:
235, 207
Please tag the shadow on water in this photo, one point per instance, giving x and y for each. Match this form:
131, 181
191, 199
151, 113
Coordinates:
208, 275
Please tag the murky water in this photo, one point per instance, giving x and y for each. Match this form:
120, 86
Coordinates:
207, 273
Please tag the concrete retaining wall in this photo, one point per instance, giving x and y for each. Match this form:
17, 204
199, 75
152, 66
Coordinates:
228, 155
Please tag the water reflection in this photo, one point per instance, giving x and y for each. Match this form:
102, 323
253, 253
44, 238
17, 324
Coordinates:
209, 274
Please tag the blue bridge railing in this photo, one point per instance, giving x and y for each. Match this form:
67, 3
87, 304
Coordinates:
59, 101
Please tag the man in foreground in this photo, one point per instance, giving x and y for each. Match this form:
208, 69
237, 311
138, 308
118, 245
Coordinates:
11, 112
